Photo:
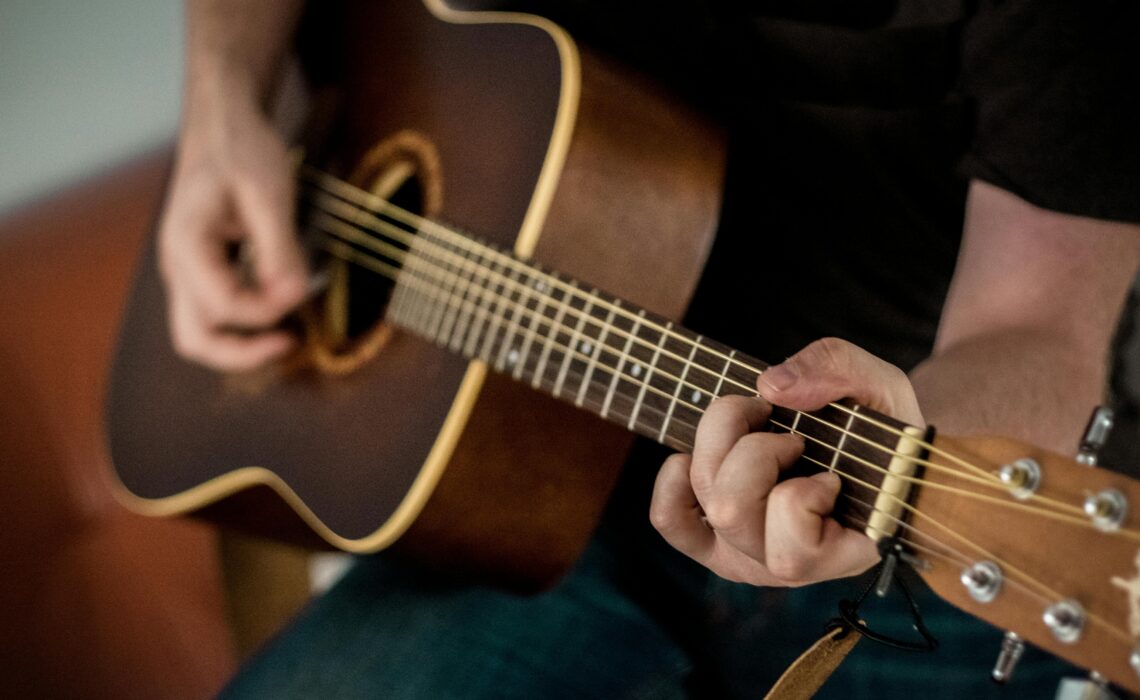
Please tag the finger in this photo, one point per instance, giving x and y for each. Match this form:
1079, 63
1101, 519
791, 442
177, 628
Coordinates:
803, 543
736, 504
831, 369
675, 512
198, 341
266, 204
726, 420
196, 267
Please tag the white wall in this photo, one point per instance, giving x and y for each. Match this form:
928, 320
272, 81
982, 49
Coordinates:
83, 84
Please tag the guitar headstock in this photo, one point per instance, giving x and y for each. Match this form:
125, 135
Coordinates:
1037, 544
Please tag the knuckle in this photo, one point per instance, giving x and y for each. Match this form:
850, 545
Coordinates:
831, 355
726, 514
791, 568
723, 408
662, 517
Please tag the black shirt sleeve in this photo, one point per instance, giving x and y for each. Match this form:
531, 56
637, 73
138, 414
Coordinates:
1057, 101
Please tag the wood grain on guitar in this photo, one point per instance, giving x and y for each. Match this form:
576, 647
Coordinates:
559, 161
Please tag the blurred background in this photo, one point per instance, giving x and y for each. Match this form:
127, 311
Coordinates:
83, 85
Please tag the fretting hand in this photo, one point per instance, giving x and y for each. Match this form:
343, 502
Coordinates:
724, 505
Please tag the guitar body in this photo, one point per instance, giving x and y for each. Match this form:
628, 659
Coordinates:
521, 138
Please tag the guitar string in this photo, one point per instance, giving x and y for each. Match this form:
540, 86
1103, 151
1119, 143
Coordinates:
360, 198
390, 251
1008, 568
951, 556
990, 481
568, 352
413, 220
844, 431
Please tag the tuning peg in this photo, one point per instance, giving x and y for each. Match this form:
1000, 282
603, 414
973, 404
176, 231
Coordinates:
1095, 687
1096, 435
1012, 646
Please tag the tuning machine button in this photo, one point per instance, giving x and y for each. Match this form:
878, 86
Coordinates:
982, 580
1106, 509
1066, 619
1021, 477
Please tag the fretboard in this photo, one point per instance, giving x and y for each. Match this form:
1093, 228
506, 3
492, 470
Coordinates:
614, 359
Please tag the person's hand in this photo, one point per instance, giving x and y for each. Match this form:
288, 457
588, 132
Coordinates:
228, 252
724, 506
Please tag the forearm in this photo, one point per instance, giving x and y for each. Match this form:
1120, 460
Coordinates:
1023, 384
235, 49
1023, 345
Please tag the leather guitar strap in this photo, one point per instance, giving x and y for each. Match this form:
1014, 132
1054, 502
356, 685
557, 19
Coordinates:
807, 673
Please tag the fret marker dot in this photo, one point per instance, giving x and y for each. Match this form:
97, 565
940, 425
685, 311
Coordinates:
586, 347
696, 396
512, 357
636, 371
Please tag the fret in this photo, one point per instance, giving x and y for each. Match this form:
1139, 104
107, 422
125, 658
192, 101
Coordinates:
425, 283
677, 391
842, 439
463, 315
441, 274
515, 308
405, 286
702, 382
866, 457
599, 346
538, 284
497, 310
724, 373
551, 336
486, 298
572, 347
453, 301
639, 403
741, 375
464, 336
623, 358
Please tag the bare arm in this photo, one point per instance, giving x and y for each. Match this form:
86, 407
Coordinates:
232, 185
1021, 351
1023, 344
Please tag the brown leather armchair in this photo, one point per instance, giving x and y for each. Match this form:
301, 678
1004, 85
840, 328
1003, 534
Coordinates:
94, 602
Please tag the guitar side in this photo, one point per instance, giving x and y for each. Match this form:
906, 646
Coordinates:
594, 173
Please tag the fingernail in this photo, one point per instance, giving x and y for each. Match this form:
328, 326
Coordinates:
829, 479
779, 377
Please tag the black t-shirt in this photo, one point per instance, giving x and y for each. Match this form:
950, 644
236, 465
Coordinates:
854, 128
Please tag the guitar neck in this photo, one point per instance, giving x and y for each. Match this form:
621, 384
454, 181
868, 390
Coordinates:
609, 357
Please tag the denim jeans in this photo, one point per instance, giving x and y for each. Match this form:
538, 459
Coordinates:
633, 620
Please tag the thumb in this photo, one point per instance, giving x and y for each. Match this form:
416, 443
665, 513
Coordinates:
266, 205
831, 369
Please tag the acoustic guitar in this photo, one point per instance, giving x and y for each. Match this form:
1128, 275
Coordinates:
458, 398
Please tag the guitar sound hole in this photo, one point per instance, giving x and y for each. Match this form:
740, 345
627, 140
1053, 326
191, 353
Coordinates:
369, 292
346, 325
